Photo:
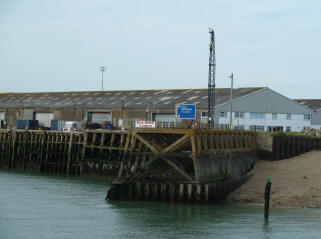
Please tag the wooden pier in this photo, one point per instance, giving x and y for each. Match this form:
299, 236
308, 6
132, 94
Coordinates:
192, 165
162, 164
77, 153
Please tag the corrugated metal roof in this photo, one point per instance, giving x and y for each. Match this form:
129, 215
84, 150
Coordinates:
314, 104
114, 99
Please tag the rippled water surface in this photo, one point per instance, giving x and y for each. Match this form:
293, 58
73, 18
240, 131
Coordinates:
46, 206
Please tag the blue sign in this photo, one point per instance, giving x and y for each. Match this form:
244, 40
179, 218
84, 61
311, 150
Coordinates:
185, 111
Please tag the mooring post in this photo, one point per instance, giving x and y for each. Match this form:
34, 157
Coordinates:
267, 197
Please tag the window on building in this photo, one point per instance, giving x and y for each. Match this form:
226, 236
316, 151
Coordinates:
239, 115
288, 116
257, 115
222, 114
257, 127
274, 116
239, 127
307, 117
223, 126
204, 114
288, 128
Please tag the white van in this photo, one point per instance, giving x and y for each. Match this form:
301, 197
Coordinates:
72, 126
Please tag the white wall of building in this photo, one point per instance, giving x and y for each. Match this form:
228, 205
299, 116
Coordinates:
296, 123
266, 102
316, 119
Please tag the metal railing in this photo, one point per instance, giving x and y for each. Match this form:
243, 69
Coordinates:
189, 125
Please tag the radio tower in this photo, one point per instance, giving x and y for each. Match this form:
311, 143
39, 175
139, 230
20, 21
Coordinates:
211, 80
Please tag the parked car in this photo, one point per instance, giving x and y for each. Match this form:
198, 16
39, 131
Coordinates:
72, 126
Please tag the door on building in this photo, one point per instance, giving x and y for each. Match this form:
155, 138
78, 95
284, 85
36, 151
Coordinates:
99, 117
44, 119
275, 128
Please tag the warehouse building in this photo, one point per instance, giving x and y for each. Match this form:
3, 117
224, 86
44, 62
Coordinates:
252, 107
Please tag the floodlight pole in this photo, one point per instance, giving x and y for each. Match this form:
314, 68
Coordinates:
102, 69
231, 99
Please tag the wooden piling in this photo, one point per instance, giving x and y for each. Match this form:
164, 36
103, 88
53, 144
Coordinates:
146, 191
163, 192
189, 197
171, 192
70, 153
267, 198
43, 139
181, 193
138, 190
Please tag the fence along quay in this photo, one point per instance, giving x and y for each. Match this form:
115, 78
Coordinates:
193, 165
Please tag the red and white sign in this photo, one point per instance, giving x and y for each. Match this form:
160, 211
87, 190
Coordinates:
145, 124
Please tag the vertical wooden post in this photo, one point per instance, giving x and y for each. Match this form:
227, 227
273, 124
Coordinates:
163, 192
205, 141
137, 159
146, 191
102, 143
198, 193
211, 139
171, 191
154, 188
70, 153
138, 191
181, 193
25, 144
206, 193
195, 158
57, 156
129, 193
13, 148
92, 152
122, 164
83, 155
267, 198
41, 150
189, 192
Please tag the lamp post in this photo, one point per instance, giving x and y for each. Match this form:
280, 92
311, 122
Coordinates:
231, 99
102, 69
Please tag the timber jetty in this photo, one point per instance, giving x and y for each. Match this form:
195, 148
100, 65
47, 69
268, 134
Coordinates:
149, 164
162, 164
183, 165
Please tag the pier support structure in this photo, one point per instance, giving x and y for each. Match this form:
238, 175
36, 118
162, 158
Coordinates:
183, 164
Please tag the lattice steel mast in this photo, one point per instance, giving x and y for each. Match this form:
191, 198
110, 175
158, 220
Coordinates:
211, 80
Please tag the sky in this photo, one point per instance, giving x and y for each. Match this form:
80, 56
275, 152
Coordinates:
58, 45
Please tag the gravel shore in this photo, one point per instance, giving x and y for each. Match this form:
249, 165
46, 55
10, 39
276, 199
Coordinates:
296, 182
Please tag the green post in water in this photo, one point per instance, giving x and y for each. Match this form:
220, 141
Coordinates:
267, 197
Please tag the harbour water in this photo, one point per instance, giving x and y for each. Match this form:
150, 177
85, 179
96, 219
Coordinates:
49, 206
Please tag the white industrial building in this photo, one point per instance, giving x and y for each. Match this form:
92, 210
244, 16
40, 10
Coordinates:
315, 105
265, 110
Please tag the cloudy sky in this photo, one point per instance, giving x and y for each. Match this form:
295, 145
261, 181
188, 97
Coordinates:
58, 45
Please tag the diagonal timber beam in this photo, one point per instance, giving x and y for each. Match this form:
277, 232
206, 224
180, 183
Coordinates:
150, 146
178, 169
177, 144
